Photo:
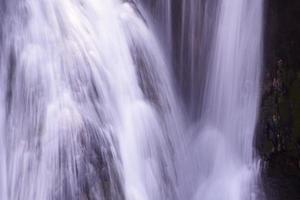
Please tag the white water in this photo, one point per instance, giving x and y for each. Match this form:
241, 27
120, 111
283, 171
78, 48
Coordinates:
220, 50
88, 109
89, 103
231, 98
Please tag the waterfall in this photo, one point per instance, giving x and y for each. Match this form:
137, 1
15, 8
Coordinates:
87, 106
217, 61
135, 100
230, 102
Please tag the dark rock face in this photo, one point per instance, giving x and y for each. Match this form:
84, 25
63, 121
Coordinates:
278, 139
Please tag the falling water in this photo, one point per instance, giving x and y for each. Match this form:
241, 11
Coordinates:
217, 64
229, 53
88, 108
86, 103
230, 102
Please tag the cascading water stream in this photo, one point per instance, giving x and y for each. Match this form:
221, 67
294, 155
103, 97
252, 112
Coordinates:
218, 59
86, 103
230, 102
88, 108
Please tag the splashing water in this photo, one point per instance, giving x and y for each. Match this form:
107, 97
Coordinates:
88, 109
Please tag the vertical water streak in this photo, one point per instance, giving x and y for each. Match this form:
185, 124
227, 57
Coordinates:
3, 91
231, 99
161, 21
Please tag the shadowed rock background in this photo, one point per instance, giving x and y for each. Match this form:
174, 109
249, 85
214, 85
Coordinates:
278, 137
